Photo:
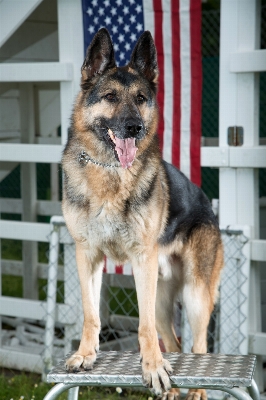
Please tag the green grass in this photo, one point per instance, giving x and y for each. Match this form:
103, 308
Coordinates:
22, 386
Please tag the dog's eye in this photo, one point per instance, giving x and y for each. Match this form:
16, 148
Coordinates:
140, 99
110, 97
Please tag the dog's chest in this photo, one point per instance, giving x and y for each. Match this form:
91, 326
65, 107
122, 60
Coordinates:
109, 230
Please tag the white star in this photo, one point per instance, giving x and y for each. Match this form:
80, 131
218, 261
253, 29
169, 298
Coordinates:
91, 29
138, 8
127, 46
125, 10
121, 38
120, 20
96, 20
116, 47
132, 1
132, 19
113, 11
107, 20
107, 3
94, 3
133, 37
122, 56
101, 11
139, 27
119, 2
114, 29
89, 11
126, 28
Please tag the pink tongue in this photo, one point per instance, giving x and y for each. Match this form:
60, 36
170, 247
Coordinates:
126, 151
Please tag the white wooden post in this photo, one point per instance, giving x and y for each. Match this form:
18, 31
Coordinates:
70, 30
71, 50
239, 94
28, 191
54, 179
239, 106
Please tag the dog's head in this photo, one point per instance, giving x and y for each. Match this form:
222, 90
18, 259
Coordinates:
117, 105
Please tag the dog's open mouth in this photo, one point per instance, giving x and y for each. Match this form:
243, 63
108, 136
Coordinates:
125, 149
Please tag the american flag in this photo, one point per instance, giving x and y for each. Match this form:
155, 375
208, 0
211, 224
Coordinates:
176, 28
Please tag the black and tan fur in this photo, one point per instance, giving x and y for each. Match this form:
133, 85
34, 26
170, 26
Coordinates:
148, 214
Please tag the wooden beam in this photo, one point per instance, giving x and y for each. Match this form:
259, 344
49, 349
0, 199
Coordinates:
36, 231
71, 49
44, 207
36, 72
13, 14
17, 359
35, 309
233, 157
247, 157
25, 230
250, 61
250, 157
214, 157
31, 153
257, 343
258, 250
15, 268
238, 184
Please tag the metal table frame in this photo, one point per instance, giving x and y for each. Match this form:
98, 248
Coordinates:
228, 373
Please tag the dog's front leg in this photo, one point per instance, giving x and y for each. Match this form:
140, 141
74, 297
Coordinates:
90, 277
155, 370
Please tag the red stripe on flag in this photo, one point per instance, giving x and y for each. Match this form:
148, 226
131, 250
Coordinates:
119, 269
158, 39
196, 91
176, 83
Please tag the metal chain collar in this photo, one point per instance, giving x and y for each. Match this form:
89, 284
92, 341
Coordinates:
84, 158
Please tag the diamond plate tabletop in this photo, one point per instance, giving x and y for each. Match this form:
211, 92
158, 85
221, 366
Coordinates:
115, 368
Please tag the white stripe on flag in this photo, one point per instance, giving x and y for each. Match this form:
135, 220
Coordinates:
168, 81
110, 266
127, 269
184, 10
148, 16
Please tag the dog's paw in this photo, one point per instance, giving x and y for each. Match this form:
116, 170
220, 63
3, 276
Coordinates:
196, 394
172, 394
156, 378
76, 361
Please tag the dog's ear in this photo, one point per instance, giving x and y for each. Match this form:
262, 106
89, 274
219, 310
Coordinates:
144, 57
100, 56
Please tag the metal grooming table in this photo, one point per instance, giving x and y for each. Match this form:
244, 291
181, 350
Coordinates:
229, 373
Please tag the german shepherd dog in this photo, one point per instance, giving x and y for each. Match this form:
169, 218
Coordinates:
120, 199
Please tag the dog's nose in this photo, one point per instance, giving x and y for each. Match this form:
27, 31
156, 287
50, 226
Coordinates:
133, 128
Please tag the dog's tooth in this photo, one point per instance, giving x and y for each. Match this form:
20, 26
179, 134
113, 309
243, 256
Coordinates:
111, 134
